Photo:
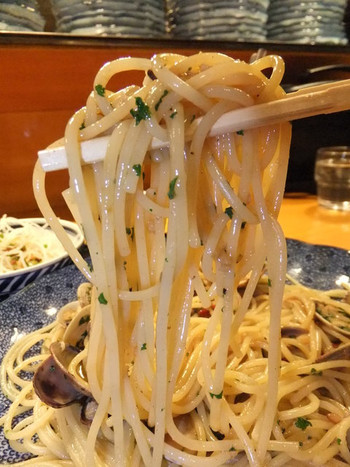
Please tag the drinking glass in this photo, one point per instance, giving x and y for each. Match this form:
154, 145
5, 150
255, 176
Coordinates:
332, 177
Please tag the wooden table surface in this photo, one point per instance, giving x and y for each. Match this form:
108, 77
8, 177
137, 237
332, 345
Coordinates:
303, 219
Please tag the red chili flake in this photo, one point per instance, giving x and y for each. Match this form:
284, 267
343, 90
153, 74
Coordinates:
204, 313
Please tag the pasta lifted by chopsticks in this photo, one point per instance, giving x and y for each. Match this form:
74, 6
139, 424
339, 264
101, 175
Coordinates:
174, 351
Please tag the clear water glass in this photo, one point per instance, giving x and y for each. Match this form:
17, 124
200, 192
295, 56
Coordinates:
332, 177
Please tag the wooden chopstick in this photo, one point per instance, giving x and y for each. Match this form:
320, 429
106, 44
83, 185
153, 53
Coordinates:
314, 100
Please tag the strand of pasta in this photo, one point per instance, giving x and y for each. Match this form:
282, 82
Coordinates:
108, 322
45, 207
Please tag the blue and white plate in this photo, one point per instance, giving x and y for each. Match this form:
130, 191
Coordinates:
315, 266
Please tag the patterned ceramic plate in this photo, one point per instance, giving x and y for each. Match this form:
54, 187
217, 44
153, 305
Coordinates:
314, 266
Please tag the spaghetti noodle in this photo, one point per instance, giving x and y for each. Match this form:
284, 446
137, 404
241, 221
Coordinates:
175, 353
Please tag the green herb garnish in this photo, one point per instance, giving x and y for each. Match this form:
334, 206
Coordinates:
229, 212
316, 372
102, 299
137, 169
171, 192
161, 99
100, 90
217, 396
144, 346
142, 112
302, 423
240, 132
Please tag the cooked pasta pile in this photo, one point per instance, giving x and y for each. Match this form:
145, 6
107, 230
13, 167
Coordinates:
184, 347
25, 243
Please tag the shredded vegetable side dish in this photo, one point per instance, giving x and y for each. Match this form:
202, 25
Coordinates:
188, 344
25, 243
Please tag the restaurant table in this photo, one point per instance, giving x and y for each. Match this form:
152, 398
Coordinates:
303, 219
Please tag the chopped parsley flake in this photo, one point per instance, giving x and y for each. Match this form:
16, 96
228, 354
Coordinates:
82, 126
338, 441
217, 396
240, 132
137, 169
316, 372
171, 192
142, 112
102, 299
100, 90
161, 99
144, 346
302, 423
173, 114
269, 283
229, 212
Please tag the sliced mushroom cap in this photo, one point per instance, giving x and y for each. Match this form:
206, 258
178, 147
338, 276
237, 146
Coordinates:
293, 331
340, 353
52, 382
